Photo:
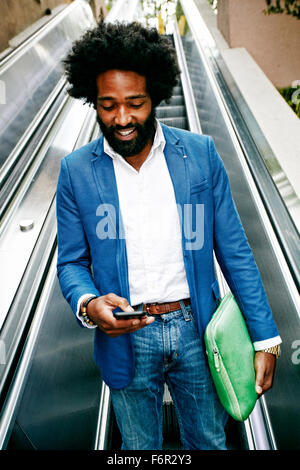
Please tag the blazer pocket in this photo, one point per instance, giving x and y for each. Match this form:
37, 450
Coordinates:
216, 290
197, 188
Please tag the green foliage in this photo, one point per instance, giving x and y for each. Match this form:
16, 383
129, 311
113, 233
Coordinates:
292, 97
108, 4
179, 10
291, 7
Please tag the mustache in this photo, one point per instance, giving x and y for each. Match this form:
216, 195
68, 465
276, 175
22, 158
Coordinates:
118, 126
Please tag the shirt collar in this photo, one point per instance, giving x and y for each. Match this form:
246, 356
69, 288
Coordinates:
159, 141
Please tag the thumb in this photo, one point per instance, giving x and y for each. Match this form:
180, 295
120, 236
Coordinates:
117, 301
259, 381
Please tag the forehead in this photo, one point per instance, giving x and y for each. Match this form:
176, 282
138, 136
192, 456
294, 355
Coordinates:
120, 82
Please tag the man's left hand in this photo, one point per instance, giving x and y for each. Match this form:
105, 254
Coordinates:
264, 364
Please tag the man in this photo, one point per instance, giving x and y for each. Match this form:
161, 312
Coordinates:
127, 207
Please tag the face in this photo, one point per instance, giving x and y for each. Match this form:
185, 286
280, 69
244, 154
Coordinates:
124, 111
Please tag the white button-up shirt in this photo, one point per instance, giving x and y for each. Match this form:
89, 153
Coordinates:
151, 224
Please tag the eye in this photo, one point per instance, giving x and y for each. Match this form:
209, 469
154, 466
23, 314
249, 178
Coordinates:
107, 108
136, 106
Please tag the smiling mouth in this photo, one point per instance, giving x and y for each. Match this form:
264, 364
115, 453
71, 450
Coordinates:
125, 134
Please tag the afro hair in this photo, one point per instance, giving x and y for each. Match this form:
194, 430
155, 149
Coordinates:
122, 46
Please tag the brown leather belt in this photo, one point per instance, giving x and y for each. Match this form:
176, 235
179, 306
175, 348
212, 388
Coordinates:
159, 309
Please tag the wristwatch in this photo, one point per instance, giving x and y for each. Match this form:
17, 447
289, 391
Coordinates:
273, 350
83, 310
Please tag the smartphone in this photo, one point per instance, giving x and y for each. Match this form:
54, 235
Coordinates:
128, 315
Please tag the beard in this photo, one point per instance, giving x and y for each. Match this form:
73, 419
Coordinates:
145, 132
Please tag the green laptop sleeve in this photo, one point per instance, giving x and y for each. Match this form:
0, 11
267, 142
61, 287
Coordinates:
230, 354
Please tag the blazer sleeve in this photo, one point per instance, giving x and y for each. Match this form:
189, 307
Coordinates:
73, 260
235, 257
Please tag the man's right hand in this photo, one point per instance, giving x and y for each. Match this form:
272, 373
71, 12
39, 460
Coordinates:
100, 311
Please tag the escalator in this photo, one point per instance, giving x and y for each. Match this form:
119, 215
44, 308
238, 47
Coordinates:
50, 387
63, 386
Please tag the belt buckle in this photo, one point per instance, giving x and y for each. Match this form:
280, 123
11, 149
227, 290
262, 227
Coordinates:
153, 304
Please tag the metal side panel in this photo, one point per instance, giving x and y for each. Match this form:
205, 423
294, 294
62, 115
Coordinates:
60, 396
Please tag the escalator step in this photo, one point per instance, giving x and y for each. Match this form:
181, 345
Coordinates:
170, 111
176, 100
180, 122
177, 90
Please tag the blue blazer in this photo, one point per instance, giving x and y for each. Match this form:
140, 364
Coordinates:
88, 264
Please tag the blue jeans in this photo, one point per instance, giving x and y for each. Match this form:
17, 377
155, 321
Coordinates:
170, 350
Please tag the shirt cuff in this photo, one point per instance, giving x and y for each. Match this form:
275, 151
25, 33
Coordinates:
80, 318
267, 343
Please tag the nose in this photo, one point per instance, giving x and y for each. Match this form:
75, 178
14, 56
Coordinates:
123, 117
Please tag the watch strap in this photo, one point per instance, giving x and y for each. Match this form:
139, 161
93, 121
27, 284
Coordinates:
273, 350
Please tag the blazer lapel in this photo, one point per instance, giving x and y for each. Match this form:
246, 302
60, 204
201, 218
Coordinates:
177, 165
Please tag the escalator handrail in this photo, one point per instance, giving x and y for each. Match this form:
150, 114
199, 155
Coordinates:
9, 166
